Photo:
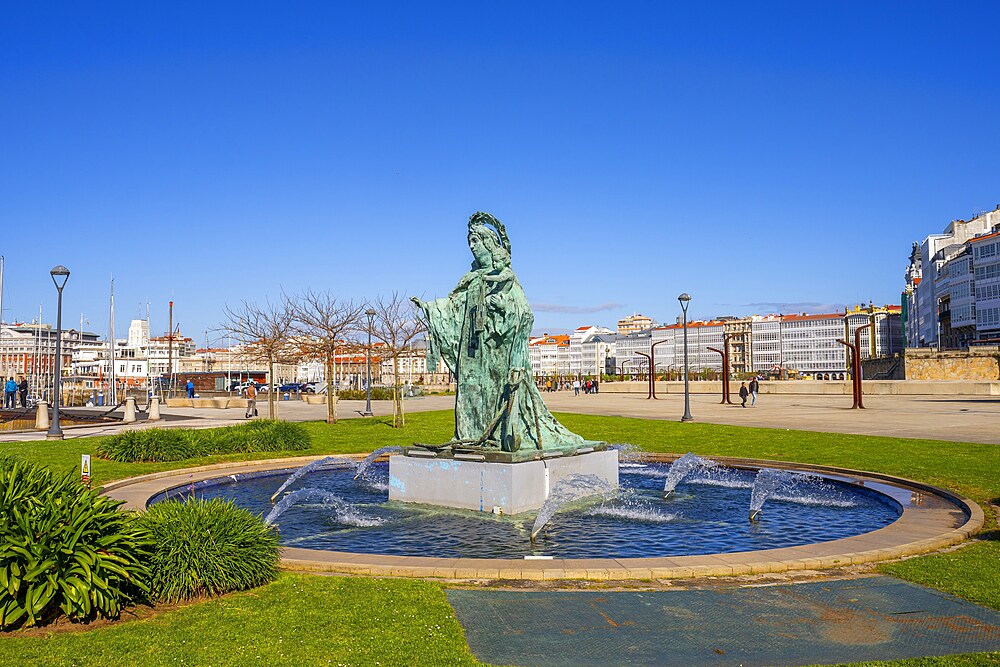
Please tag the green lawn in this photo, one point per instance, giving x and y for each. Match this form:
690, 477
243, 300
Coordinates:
298, 620
362, 621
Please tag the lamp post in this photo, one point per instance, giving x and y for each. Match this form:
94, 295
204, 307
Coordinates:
60, 274
368, 364
685, 299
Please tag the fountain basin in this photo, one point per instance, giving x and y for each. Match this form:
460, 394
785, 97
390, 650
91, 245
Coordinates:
933, 518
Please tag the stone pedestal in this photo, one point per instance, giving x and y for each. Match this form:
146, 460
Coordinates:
481, 486
154, 409
42, 415
129, 410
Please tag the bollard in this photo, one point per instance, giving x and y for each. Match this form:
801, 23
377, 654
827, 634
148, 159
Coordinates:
42, 415
154, 409
129, 410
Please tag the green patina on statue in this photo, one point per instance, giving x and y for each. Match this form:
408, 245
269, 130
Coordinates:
481, 331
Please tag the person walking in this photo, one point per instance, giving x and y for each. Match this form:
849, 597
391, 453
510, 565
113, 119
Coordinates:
754, 388
190, 388
23, 388
251, 400
9, 393
744, 392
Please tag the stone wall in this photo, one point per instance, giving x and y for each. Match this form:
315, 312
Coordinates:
884, 368
976, 364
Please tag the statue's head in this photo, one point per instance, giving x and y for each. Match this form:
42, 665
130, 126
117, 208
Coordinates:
488, 241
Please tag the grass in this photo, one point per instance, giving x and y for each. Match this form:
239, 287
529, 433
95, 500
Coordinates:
969, 572
297, 620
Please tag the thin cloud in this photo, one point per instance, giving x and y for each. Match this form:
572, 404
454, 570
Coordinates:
811, 307
575, 310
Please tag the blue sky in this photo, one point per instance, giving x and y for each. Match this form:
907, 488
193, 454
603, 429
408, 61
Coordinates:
760, 156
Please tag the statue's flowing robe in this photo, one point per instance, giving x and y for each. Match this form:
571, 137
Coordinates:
481, 331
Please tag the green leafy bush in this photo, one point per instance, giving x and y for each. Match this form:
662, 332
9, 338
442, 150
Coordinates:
378, 394
268, 436
150, 445
64, 548
158, 444
208, 547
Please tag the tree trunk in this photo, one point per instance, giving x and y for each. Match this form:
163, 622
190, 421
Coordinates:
272, 390
397, 418
331, 413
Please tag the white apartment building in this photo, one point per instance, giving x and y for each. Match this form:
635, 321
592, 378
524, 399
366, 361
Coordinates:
985, 259
935, 291
668, 354
549, 355
595, 352
634, 323
413, 369
626, 347
589, 348
808, 343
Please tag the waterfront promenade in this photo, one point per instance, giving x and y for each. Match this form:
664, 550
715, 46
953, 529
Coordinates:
952, 417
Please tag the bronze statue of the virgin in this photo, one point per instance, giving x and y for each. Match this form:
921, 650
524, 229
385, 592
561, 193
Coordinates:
481, 331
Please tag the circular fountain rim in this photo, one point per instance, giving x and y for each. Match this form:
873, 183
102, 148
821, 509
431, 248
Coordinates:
919, 529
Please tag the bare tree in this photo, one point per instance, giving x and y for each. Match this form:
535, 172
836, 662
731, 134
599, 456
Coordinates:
265, 333
397, 326
321, 322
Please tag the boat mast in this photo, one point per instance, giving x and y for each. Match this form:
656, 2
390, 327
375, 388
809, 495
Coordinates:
112, 380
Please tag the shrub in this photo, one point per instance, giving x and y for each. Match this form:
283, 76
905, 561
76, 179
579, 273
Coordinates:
261, 435
64, 548
149, 446
208, 547
157, 444
378, 394
270, 436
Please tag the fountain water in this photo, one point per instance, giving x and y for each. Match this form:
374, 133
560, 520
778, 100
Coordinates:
683, 467
370, 459
344, 511
793, 487
566, 491
632, 506
315, 465
628, 453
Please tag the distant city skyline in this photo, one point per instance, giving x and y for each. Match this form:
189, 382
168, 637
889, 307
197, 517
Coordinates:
756, 157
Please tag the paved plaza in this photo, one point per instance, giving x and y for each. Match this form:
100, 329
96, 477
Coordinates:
953, 417
872, 618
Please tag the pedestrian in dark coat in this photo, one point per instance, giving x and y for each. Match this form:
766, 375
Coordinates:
744, 392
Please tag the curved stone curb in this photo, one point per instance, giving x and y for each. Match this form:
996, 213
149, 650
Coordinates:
934, 519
